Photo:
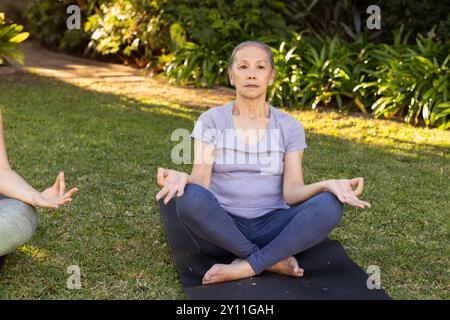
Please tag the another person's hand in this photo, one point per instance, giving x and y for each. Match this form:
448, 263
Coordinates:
343, 190
54, 196
172, 182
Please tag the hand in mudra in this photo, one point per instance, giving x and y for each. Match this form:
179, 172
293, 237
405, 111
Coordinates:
343, 190
54, 196
172, 182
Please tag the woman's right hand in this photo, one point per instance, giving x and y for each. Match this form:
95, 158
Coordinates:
172, 182
343, 190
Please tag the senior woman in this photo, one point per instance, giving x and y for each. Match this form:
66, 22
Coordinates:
245, 194
18, 216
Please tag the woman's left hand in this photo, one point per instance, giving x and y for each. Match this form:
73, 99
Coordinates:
343, 190
56, 195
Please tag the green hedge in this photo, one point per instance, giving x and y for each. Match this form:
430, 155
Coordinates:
47, 24
133, 30
409, 82
335, 62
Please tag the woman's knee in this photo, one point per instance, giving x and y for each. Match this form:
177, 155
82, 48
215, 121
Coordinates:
18, 223
193, 200
331, 206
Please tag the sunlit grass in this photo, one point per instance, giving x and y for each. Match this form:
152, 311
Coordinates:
33, 252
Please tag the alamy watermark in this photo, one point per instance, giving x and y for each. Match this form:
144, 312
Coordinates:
74, 280
262, 147
374, 20
73, 22
374, 280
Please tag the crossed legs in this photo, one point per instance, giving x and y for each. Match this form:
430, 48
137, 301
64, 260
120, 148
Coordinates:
271, 242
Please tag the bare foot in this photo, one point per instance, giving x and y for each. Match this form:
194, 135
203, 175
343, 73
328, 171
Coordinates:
238, 269
288, 266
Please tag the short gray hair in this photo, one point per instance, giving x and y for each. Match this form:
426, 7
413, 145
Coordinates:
251, 43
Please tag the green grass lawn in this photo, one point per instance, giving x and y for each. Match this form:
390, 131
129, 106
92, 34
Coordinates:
110, 147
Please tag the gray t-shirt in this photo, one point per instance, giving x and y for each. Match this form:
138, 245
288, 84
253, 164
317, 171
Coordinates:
247, 180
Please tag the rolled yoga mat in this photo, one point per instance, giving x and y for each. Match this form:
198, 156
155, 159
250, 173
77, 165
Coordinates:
329, 272
18, 222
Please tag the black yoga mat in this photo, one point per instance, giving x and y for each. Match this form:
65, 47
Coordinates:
329, 272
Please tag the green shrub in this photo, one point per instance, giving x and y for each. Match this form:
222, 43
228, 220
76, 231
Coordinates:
289, 71
409, 82
131, 29
314, 71
331, 63
47, 23
418, 16
197, 65
10, 36
412, 82
347, 18
211, 29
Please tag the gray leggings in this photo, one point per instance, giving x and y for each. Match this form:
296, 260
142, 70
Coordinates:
18, 222
263, 241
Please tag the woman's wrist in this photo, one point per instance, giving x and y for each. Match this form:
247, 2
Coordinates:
33, 194
325, 185
17, 187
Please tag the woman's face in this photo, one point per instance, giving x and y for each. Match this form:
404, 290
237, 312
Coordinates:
251, 72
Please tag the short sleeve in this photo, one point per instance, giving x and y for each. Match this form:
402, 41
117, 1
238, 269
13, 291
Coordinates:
205, 128
295, 136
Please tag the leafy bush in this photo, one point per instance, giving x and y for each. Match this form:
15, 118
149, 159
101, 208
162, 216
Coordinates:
10, 35
312, 70
47, 21
333, 62
418, 16
289, 71
130, 29
346, 18
398, 80
210, 31
412, 82
47, 24
198, 65
327, 18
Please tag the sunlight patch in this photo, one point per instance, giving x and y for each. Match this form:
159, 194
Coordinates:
33, 252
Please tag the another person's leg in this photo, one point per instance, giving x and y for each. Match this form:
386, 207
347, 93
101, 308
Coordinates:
211, 228
18, 222
294, 230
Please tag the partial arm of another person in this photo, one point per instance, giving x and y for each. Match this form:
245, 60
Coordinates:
295, 191
14, 186
173, 182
